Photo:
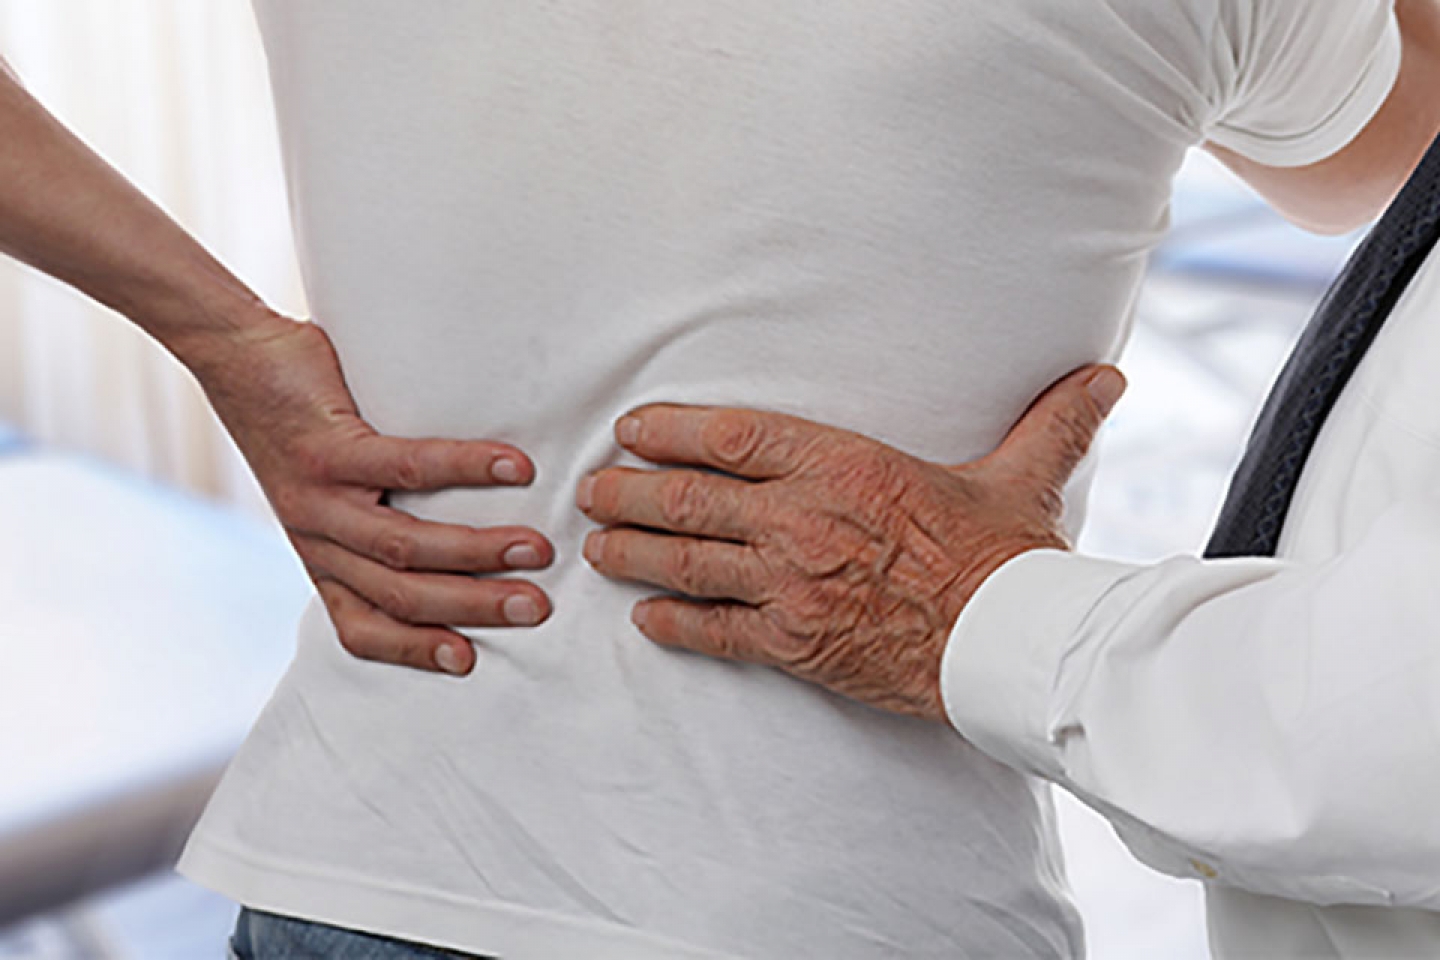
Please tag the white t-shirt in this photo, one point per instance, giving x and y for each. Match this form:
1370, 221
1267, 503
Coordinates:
517, 221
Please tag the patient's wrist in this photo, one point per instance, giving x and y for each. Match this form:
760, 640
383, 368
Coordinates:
219, 342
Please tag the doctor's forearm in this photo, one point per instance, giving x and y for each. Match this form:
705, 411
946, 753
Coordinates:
66, 212
1265, 725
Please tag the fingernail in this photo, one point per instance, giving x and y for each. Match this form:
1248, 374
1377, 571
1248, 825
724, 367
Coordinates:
640, 614
628, 431
447, 658
522, 611
594, 547
505, 470
522, 556
585, 494
1107, 386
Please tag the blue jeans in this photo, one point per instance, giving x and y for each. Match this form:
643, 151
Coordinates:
266, 936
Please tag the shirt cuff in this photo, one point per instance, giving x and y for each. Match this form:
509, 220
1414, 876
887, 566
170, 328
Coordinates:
1340, 126
1003, 659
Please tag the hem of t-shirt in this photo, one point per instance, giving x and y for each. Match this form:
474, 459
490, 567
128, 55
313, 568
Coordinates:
368, 905
1336, 131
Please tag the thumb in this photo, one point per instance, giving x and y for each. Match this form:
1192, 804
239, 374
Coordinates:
1054, 435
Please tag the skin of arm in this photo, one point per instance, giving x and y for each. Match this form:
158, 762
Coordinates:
393, 585
1352, 187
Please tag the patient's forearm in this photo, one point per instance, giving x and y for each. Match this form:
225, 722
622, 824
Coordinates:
65, 211
393, 585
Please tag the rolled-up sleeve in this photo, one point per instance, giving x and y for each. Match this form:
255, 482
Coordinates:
1298, 79
1269, 725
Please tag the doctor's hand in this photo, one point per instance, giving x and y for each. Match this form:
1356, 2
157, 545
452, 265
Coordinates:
391, 583
824, 553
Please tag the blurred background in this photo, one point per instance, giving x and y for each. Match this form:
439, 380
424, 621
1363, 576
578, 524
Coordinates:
147, 601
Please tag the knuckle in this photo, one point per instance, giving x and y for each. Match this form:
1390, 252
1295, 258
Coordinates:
797, 653
809, 606
409, 474
718, 632
802, 613
824, 546
682, 501
289, 504
883, 476
1079, 447
731, 439
685, 568
1050, 500
313, 462
395, 549
1071, 429
790, 642
398, 601
866, 480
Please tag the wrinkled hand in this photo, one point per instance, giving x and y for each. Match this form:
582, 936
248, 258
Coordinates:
824, 553
390, 582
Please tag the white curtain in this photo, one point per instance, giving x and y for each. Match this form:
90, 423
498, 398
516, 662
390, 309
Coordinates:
174, 93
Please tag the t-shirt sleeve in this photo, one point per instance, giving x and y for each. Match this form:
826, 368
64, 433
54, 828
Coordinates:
1303, 77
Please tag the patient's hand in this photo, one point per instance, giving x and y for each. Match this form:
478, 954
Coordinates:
832, 556
389, 581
